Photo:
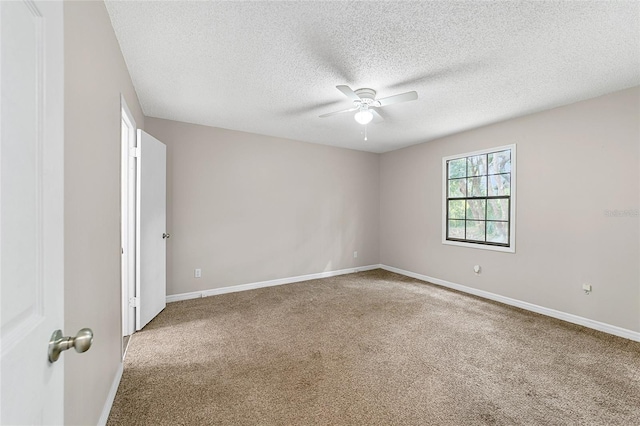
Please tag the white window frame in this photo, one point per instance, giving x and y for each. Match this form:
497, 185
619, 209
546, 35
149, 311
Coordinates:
512, 210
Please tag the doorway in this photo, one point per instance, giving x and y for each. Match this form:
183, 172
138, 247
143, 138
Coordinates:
128, 222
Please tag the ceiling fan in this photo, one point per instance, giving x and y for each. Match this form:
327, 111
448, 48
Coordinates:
365, 102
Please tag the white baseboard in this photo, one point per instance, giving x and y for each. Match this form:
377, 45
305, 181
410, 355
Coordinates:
184, 296
575, 319
270, 283
111, 396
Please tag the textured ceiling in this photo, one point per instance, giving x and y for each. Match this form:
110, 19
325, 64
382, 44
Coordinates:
272, 67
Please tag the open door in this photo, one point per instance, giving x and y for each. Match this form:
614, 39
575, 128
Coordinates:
151, 222
31, 210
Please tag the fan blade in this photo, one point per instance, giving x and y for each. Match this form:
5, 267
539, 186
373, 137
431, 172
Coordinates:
403, 97
327, 54
348, 92
457, 71
338, 112
310, 108
377, 118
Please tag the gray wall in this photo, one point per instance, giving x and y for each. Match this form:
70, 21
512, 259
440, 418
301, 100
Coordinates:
247, 208
95, 75
574, 163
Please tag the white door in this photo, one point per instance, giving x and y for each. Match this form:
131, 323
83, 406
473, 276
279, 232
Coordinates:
151, 253
31, 210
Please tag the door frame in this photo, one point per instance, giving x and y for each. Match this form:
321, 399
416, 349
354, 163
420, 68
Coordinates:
128, 184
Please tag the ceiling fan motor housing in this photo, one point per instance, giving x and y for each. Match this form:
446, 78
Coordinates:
367, 97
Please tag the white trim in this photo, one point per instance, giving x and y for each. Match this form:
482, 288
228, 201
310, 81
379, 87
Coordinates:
270, 283
575, 319
137, 226
512, 213
111, 397
123, 105
183, 296
127, 229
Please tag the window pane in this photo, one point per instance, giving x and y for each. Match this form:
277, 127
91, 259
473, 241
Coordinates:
457, 168
456, 209
500, 162
475, 230
500, 184
476, 209
477, 187
498, 232
457, 188
456, 229
498, 209
477, 165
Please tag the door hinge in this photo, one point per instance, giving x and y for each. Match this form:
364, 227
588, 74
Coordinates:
134, 152
134, 302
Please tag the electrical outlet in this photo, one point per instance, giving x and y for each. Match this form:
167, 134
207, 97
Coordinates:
197, 273
355, 254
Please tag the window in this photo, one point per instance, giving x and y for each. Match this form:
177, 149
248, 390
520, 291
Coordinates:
479, 199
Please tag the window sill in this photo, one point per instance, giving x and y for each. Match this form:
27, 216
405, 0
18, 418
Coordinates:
511, 249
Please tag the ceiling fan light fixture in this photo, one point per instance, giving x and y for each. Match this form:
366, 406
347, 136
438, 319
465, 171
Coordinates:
364, 116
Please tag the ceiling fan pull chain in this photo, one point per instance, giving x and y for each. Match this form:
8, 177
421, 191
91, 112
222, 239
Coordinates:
365, 132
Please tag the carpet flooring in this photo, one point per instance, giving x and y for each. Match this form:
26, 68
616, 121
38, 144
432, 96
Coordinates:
372, 348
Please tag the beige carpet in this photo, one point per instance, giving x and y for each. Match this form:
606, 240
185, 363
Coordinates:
373, 348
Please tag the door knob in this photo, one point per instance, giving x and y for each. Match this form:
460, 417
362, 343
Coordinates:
165, 235
81, 342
